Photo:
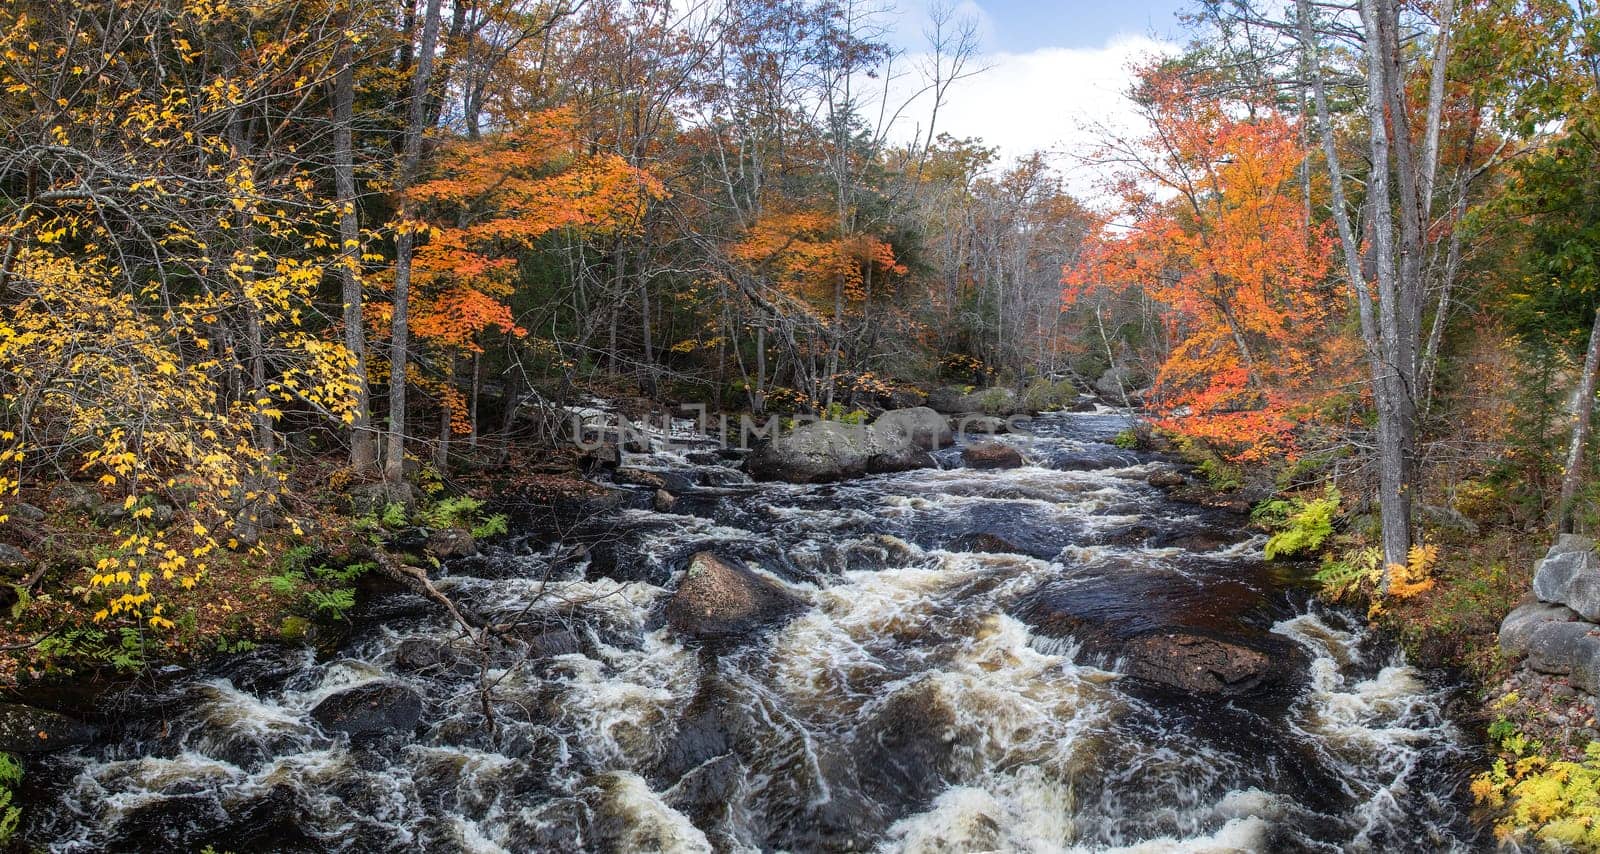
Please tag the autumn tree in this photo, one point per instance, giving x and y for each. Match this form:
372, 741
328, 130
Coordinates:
1211, 227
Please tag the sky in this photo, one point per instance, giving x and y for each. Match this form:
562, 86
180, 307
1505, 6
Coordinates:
1056, 72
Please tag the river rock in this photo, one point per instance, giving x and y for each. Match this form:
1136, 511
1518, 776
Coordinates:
924, 428
718, 600
1165, 478
822, 451
980, 425
25, 729
1518, 626
991, 455
904, 459
445, 543
638, 477
1117, 381
1551, 646
1212, 666
663, 501
1569, 575
371, 710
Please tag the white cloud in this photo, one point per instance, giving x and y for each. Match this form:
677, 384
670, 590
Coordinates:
1052, 100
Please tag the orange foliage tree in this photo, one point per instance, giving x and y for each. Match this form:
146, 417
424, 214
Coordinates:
489, 201
1212, 226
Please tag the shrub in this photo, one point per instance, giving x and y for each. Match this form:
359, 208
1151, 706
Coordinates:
1555, 803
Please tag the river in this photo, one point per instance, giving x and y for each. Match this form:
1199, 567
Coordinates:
952, 684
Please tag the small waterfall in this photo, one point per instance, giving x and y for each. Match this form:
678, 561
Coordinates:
958, 679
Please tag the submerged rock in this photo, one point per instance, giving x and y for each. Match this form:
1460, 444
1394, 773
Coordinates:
25, 729
718, 600
1518, 626
371, 710
983, 542
1210, 665
991, 455
906, 749
906, 459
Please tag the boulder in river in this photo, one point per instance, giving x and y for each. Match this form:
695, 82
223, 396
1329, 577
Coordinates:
371, 710
638, 477
815, 453
719, 600
1165, 478
904, 459
1517, 628
1569, 575
924, 428
991, 455
1209, 665
25, 729
444, 543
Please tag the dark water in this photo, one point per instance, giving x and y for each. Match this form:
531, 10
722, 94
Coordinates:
943, 691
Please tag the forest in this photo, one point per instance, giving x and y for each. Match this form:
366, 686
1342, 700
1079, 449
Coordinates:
304, 303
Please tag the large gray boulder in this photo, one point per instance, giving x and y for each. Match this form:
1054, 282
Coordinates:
924, 428
1551, 646
824, 451
718, 600
816, 453
1569, 575
1585, 673
1517, 628
1117, 381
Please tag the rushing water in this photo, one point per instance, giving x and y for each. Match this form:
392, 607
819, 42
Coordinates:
917, 705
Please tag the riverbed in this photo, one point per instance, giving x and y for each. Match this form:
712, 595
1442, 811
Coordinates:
958, 679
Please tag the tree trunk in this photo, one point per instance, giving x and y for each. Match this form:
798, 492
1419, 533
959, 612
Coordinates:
394, 455
363, 440
1582, 411
1396, 368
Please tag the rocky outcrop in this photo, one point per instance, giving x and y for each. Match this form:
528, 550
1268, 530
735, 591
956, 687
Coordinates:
371, 710
1551, 645
991, 455
1557, 635
1569, 575
25, 729
1518, 626
719, 600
